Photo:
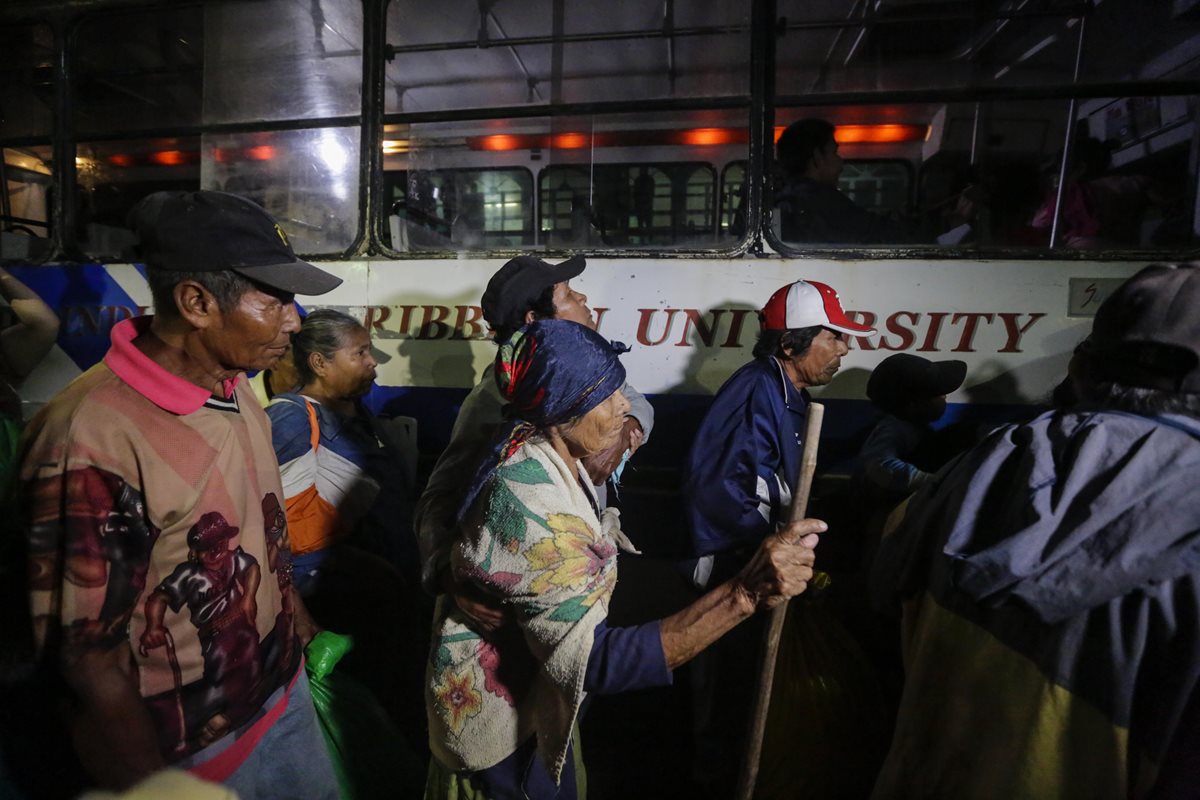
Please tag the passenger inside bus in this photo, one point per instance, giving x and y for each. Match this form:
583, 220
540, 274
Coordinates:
809, 204
1099, 208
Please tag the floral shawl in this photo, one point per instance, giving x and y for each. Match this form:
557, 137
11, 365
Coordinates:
533, 540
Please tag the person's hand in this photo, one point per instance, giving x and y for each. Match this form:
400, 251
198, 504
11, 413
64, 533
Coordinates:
634, 434
782, 566
306, 627
152, 638
482, 609
600, 466
966, 207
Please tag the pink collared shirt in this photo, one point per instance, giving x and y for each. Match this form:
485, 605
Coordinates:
166, 390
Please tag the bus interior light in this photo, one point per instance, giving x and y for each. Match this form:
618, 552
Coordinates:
711, 137
571, 141
886, 133
168, 158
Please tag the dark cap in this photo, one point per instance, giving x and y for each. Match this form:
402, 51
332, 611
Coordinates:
1147, 332
516, 286
212, 530
901, 376
214, 231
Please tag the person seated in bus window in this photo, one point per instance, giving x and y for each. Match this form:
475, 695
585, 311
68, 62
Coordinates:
1098, 209
1011, 192
808, 202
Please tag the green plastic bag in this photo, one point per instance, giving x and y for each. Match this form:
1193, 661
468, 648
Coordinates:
370, 756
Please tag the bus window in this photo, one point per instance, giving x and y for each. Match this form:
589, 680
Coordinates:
112, 176
25, 221
26, 81
988, 172
851, 46
619, 181
148, 78
26, 104
844, 176
1129, 180
217, 63
633, 179
139, 70
305, 64
443, 209
733, 200
457, 57
881, 187
628, 205
317, 206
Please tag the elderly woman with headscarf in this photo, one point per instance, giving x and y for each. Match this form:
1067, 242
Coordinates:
502, 708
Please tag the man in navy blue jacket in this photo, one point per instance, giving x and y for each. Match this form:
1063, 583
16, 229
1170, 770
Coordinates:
738, 483
740, 472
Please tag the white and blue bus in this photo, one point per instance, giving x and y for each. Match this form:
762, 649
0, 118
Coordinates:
412, 148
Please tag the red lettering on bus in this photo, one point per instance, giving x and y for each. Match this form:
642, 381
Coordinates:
376, 316
599, 312
863, 318
907, 336
434, 319
647, 316
462, 322
931, 334
405, 319
970, 323
1015, 333
737, 317
705, 333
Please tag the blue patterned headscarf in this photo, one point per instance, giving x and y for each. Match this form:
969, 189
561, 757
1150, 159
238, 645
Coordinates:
550, 371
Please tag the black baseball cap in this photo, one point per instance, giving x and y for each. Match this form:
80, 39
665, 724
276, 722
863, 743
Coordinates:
213, 231
903, 375
516, 285
1147, 332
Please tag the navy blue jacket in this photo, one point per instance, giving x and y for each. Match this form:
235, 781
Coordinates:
744, 461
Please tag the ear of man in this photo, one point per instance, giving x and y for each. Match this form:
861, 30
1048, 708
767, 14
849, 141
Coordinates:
196, 305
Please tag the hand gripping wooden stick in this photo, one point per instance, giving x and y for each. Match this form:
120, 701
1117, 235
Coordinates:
770, 646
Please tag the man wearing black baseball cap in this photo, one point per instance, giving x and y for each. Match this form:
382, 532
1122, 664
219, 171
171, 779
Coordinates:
524, 289
1050, 580
898, 455
159, 437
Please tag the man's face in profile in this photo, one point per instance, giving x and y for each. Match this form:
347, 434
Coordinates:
826, 165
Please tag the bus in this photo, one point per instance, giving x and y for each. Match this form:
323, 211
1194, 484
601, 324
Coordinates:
412, 148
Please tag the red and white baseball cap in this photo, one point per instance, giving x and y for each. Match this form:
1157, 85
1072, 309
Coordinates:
804, 304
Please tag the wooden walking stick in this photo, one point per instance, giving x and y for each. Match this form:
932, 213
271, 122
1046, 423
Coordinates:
770, 646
